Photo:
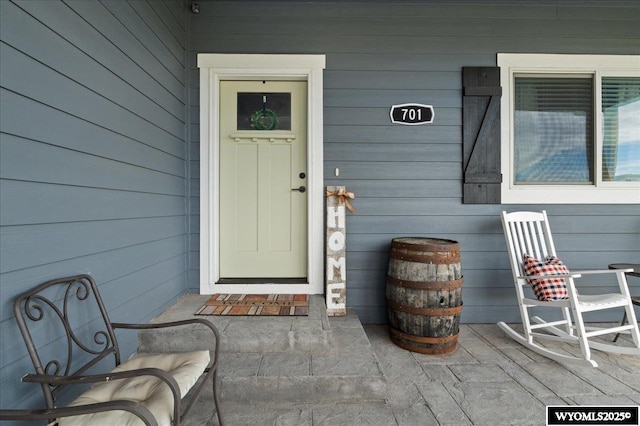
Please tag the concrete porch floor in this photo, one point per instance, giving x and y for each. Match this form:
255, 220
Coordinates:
333, 371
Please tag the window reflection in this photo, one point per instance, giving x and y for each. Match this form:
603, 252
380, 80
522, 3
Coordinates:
621, 129
553, 130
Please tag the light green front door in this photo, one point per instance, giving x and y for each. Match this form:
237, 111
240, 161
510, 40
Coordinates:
263, 198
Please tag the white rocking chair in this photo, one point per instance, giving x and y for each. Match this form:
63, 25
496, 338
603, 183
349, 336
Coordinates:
529, 232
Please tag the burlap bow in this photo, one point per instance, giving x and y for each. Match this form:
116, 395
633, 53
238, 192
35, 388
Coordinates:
343, 198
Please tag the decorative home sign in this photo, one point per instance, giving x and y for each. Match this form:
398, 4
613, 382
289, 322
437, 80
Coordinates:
411, 114
336, 269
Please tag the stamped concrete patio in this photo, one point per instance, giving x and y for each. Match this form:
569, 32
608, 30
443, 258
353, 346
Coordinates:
333, 371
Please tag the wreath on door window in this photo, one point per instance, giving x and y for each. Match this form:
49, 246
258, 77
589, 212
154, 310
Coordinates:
264, 119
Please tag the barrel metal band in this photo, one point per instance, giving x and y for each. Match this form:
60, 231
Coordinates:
426, 257
426, 285
410, 345
428, 247
424, 311
424, 339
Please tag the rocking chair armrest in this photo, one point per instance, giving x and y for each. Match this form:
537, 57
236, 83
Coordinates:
605, 271
134, 408
535, 277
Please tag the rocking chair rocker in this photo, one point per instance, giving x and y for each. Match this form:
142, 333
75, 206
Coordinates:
528, 234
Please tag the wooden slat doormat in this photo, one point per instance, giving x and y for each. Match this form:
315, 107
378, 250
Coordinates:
256, 304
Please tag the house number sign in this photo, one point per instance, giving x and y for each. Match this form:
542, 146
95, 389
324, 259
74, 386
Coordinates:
411, 114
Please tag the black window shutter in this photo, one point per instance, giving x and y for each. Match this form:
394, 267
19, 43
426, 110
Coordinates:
481, 135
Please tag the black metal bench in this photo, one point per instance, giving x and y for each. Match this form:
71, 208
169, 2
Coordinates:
69, 315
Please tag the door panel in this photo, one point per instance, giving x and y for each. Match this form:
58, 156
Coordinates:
263, 222
280, 203
246, 184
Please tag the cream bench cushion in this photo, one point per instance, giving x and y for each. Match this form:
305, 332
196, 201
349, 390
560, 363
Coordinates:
149, 391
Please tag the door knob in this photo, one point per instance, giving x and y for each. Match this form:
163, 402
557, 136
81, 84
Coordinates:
301, 189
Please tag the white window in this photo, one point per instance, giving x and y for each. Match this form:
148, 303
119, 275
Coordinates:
570, 129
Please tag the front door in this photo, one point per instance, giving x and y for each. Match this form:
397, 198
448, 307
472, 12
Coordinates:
263, 179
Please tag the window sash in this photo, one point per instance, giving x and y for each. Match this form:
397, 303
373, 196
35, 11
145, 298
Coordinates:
553, 129
620, 107
599, 66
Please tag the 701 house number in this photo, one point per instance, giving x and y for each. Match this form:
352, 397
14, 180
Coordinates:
411, 114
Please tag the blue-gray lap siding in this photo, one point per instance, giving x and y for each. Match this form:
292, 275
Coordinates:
93, 160
99, 150
408, 180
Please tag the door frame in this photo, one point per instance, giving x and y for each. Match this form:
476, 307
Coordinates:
214, 68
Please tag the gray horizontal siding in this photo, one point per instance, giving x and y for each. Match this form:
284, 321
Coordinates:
100, 264
70, 167
46, 203
377, 133
34, 245
65, 58
429, 10
416, 45
93, 160
396, 26
394, 151
408, 179
84, 135
106, 40
19, 71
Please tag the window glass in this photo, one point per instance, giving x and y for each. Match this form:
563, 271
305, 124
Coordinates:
264, 111
621, 129
553, 130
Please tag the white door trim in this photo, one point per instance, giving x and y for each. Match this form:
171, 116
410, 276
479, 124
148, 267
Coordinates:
213, 69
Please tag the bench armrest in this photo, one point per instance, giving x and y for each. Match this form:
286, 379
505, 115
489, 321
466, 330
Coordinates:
151, 326
107, 377
138, 410
169, 324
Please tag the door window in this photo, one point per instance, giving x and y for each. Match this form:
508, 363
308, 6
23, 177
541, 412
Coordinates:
264, 111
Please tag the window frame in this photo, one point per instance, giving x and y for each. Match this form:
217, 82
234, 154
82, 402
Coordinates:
599, 192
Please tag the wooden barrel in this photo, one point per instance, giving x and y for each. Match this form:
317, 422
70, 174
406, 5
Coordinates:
424, 294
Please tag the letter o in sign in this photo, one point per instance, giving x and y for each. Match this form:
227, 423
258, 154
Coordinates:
336, 241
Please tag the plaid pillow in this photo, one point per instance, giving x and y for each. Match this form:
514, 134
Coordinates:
547, 288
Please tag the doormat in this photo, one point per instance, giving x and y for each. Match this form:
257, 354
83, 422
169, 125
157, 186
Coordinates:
256, 305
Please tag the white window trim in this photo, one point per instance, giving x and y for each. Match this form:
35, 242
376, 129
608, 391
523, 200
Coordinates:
213, 69
600, 65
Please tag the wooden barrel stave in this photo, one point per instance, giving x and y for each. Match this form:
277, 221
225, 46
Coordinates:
426, 324
424, 294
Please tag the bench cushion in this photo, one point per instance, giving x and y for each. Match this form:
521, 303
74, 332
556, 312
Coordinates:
150, 391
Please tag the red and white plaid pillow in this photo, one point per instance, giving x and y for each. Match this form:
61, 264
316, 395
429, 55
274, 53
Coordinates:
546, 288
